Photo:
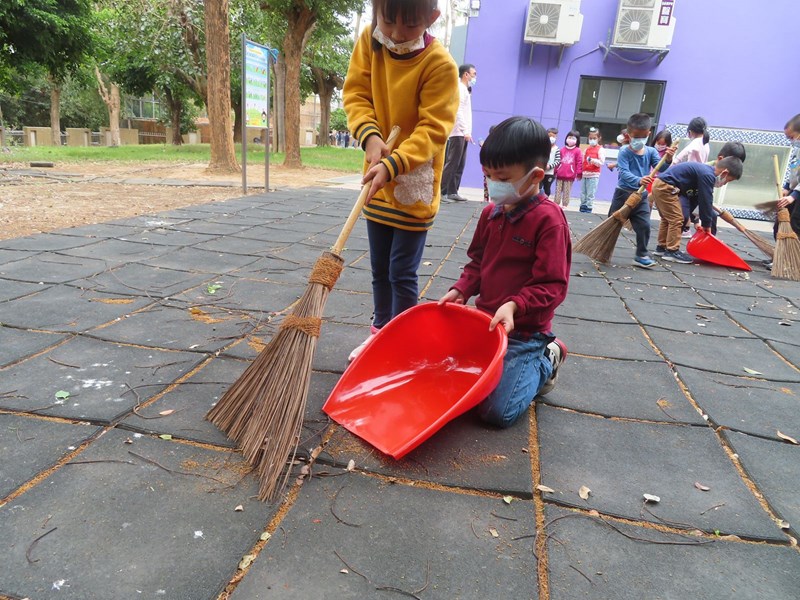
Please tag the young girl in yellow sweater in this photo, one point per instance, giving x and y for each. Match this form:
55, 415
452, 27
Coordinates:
400, 75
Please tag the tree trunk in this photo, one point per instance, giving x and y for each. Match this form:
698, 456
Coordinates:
55, 112
175, 108
218, 67
280, 104
111, 99
300, 26
325, 117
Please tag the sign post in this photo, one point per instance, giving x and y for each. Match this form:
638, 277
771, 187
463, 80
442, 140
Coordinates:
255, 100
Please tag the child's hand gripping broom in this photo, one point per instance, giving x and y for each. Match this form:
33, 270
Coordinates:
599, 243
263, 409
764, 245
786, 262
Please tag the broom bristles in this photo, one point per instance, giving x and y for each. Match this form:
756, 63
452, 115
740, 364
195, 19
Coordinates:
764, 245
786, 263
600, 242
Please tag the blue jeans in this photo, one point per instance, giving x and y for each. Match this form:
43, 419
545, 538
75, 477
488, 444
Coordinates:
588, 191
640, 218
526, 368
395, 255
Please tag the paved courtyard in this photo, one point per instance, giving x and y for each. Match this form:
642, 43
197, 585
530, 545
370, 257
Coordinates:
682, 383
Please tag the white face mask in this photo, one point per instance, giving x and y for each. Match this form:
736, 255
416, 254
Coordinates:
506, 192
474, 80
400, 49
593, 142
722, 179
620, 139
552, 140
571, 141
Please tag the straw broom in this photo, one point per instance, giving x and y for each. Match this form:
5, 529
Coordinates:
263, 409
786, 263
599, 243
764, 245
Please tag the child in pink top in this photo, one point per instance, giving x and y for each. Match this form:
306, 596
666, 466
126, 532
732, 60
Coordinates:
570, 169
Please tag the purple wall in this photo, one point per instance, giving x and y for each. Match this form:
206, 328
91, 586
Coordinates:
723, 64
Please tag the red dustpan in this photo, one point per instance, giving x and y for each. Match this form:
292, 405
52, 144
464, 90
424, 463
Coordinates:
711, 249
427, 366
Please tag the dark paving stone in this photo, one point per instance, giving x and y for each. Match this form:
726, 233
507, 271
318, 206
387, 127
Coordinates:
591, 286
138, 529
616, 340
436, 287
18, 344
722, 355
243, 294
30, 445
744, 404
657, 294
65, 308
46, 242
276, 268
105, 381
101, 231
730, 285
774, 307
235, 245
143, 280
628, 273
775, 330
201, 225
205, 329
789, 351
350, 308
9, 290
149, 222
52, 268
620, 568
407, 537
780, 287
274, 236
200, 261
7, 256
619, 388
683, 318
620, 461
775, 469
466, 453
594, 308
116, 252
358, 279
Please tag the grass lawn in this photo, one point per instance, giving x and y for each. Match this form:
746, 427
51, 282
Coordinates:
338, 159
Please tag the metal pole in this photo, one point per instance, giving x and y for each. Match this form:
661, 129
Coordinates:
244, 115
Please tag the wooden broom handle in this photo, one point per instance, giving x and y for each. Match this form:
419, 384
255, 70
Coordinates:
338, 246
729, 218
778, 177
657, 167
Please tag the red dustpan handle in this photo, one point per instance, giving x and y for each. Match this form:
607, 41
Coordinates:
338, 246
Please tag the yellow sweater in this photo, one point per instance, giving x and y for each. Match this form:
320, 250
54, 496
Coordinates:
420, 95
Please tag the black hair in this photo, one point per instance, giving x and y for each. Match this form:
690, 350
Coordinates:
409, 11
640, 121
574, 133
793, 124
697, 125
733, 149
665, 135
516, 141
596, 131
552, 130
465, 68
733, 165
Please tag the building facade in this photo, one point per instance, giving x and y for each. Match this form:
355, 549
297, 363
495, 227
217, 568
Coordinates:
728, 62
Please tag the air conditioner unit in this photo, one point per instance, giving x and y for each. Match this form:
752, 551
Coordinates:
557, 22
644, 24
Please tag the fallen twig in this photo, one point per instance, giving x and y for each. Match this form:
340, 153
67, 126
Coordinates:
33, 544
716, 506
63, 364
333, 512
173, 471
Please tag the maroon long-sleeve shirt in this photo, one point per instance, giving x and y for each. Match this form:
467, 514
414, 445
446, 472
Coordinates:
522, 255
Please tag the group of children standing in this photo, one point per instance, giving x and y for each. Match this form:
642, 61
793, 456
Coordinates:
569, 163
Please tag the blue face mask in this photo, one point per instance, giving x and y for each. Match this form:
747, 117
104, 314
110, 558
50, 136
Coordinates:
506, 192
796, 143
638, 143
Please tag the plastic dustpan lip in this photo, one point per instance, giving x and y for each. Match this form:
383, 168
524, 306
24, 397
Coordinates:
398, 449
709, 248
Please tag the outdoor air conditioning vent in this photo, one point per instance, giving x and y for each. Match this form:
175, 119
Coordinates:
644, 24
555, 22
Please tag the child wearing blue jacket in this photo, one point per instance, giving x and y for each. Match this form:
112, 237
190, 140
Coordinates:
634, 163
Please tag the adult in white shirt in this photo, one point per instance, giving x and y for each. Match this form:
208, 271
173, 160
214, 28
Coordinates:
456, 153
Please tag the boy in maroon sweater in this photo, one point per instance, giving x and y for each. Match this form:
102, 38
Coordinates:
519, 266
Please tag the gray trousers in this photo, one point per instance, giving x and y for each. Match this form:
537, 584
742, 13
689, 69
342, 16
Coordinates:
455, 157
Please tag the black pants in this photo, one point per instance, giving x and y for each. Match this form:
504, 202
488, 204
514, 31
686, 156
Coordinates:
640, 218
547, 184
455, 157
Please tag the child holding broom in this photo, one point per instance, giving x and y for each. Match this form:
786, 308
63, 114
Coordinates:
673, 184
791, 189
519, 266
400, 75
634, 164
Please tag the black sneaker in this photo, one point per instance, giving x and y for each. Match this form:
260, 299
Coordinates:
660, 250
557, 351
678, 257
